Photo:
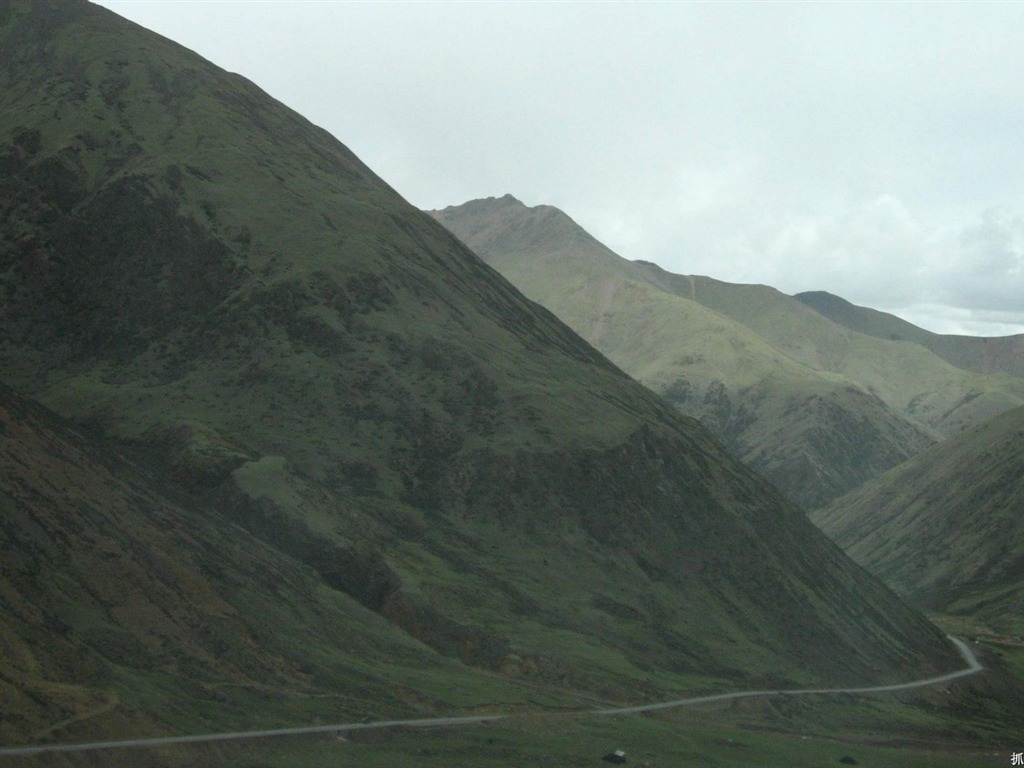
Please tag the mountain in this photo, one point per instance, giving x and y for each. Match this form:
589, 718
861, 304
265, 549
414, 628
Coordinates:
813, 406
123, 604
270, 431
945, 529
1001, 354
911, 380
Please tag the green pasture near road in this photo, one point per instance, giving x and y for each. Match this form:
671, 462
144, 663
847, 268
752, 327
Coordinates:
582, 741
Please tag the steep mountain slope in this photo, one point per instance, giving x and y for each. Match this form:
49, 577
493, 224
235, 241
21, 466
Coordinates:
815, 434
330, 380
1003, 354
947, 528
125, 605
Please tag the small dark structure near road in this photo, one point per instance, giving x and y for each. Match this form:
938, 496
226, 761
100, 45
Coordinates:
618, 756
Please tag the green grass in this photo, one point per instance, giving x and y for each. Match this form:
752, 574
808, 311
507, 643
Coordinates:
574, 742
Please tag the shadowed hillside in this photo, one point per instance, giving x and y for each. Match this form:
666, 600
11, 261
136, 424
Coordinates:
947, 528
126, 609
377, 446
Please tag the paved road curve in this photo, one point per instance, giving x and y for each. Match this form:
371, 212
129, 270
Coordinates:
972, 668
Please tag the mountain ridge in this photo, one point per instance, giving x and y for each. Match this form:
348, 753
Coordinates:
981, 354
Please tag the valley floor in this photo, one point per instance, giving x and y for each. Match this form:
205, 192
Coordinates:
879, 726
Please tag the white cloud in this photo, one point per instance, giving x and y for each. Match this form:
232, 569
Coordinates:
874, 248
987, 268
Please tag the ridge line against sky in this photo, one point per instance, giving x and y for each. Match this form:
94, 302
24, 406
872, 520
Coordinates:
871, 150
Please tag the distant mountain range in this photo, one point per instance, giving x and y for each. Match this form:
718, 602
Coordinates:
792, 385
278, 446
1002, 354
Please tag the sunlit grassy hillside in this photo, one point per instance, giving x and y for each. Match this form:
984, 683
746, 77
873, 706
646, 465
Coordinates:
815, 407
981, 354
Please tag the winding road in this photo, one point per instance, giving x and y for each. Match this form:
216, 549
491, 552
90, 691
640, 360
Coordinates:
973, 667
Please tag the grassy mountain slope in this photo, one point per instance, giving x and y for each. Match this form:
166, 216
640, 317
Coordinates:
946, 528
337, 387
814, 433
913, 381
1003, 354
124, 604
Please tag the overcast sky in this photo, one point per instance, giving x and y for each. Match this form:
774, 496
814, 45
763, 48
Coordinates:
873, 150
